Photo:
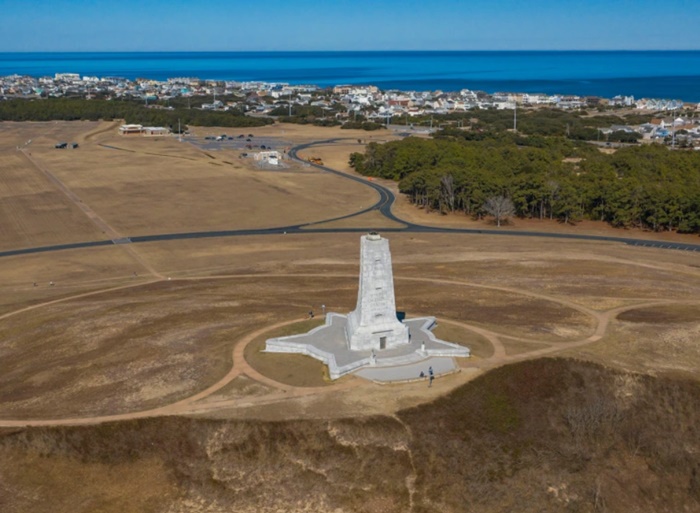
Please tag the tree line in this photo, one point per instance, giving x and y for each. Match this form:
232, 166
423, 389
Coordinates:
130, 111
646, 186
577, 125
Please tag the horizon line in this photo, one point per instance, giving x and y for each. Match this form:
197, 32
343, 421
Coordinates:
366, 51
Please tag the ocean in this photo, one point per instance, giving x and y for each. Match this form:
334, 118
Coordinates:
650, 74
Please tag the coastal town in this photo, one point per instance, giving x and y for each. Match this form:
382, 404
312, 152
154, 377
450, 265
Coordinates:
675, 122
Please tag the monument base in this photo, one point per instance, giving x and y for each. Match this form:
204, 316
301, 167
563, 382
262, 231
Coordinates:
328, 343
378, 337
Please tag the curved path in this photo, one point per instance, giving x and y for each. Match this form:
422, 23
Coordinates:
199, 403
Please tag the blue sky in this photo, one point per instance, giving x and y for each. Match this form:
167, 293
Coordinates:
235, 25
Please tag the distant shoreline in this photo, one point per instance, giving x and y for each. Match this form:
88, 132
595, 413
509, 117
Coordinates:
254, 52
666, 74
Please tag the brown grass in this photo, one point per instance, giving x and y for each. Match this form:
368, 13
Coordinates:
120, 351
72, 272
479, 346
654, 348
670, 314
545, 435
499, 311
33, 212
155, 180
596, 275
290, 369
514, 347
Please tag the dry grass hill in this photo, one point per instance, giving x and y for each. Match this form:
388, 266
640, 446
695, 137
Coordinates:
547, 435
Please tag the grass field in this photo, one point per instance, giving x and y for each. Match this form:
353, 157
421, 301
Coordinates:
138, 341
160, 185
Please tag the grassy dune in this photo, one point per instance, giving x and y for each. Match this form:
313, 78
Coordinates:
543, 435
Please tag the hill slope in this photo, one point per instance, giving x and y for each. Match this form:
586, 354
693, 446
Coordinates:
543, 435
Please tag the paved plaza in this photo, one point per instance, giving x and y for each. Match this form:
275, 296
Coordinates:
328, 343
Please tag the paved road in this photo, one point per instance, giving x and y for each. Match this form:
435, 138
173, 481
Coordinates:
383, 205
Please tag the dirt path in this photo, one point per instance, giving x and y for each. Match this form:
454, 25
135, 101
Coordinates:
240, 367
103, 128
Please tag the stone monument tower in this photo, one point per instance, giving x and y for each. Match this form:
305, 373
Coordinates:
373, 323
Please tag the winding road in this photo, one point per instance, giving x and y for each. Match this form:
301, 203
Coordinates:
207, 400
383, 205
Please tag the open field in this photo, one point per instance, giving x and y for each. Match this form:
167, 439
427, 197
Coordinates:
33, 212
547, 289
148, 345
141, 186
138, 366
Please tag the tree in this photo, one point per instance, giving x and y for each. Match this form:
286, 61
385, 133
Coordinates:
645, 186
447, 193
500, 207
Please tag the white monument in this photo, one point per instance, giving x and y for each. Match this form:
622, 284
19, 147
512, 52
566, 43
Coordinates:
371, 336
373, 324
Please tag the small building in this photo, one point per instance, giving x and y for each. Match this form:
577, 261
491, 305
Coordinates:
155, 130
269, 157
130, 129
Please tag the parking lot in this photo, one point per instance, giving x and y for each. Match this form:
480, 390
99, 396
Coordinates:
239, 141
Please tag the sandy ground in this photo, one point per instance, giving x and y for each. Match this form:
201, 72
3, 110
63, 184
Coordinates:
164, 327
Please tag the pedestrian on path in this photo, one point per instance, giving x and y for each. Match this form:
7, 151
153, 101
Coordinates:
430, 380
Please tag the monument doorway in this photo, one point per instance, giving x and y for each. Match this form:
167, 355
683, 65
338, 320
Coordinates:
382, 342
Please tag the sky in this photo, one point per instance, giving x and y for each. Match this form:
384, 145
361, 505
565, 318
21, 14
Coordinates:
314, 25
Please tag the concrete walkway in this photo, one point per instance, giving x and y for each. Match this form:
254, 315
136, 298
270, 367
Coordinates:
409, 372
